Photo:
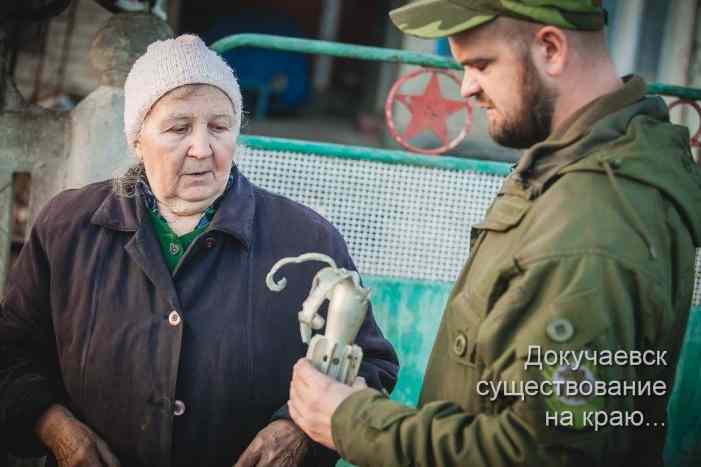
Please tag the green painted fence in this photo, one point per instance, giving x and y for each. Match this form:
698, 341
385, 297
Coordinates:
408, 312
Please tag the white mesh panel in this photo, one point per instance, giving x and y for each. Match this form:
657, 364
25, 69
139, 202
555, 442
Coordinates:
399, 220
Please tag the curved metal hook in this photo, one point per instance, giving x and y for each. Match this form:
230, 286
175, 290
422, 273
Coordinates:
282, 283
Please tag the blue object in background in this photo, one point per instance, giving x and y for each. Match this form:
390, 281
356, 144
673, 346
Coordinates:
279, 79
442, 47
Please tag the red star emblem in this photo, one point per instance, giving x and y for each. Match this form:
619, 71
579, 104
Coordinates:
430, 110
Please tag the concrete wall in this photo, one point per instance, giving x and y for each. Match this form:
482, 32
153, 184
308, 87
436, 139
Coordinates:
80, 77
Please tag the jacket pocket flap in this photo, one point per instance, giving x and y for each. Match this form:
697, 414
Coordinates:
565, 325
506, 212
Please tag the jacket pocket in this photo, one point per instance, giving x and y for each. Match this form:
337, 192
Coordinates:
553, 350
564, 325
463, 322
461, 370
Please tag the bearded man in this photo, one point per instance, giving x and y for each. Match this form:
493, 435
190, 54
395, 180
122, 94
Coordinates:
559, 342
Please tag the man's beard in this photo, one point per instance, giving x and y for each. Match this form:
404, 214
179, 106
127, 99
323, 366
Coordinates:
532, 122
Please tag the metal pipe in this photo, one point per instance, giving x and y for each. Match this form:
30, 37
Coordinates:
380, 54
336, 49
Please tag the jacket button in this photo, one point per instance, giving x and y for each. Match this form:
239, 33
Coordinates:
211, 242
174, 248
560, 330
174, 318
460, 345
178, 408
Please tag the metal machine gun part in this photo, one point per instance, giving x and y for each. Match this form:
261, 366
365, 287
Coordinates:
332, 353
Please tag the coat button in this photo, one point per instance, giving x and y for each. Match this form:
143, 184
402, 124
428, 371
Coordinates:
174, 248
178, 408
460, 345
174, 318
560, 330
211, 242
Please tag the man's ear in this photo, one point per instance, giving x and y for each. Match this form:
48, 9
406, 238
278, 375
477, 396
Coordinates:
551, 50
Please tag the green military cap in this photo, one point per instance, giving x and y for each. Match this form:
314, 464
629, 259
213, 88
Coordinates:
440, 18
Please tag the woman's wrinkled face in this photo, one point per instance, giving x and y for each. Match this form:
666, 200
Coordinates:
187, 145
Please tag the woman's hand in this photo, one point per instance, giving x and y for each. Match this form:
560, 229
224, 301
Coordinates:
280, 444
72, 443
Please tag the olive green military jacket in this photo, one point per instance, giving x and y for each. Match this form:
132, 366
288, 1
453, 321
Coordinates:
560, 338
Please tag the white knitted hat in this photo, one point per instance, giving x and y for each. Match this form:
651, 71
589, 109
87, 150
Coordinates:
167, 65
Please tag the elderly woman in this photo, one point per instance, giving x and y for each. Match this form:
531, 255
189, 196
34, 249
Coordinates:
136, 327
